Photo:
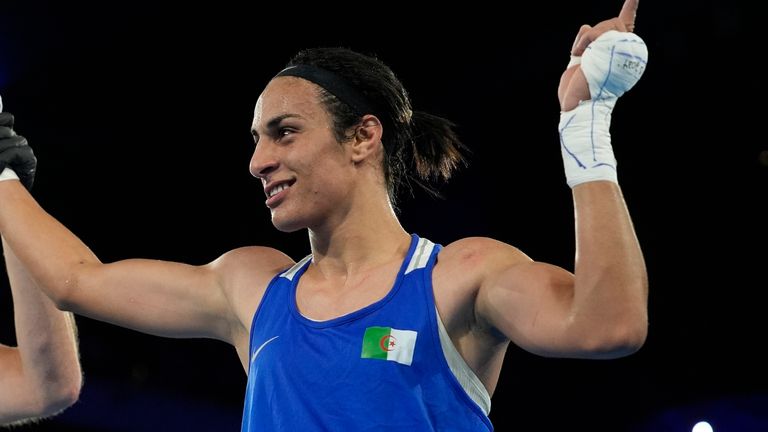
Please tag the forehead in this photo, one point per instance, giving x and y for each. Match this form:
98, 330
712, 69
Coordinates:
288, 95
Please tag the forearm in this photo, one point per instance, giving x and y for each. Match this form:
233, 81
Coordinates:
611, 286
608, 309
42, 376
49, 251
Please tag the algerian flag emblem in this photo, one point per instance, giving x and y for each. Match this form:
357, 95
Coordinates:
386, 343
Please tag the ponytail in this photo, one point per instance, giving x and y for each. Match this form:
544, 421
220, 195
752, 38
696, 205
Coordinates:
437, 150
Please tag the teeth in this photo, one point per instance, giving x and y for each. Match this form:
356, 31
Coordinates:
277, 190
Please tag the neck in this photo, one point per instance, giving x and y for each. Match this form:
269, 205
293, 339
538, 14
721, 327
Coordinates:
367, 236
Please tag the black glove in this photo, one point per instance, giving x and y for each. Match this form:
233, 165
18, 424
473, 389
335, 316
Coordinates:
15, 153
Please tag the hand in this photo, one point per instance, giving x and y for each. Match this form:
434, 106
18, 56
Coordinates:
573, 84
15, 153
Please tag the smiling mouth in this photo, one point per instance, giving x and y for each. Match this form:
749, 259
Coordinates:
279, 188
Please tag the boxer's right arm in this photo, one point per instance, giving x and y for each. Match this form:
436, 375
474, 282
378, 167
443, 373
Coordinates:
161, 298
157, 297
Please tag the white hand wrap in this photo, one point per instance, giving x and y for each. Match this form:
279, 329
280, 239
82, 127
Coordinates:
612, 64
8, 174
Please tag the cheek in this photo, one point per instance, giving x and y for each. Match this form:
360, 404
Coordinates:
331, 176
328, 186
329, 192
323, 168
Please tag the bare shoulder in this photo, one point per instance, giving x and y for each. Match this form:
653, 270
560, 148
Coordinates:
481, 254
260, 257
244, 274
250, 264
480, 282
490, 261
463, 267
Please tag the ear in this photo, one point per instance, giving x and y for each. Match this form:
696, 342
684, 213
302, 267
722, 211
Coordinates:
367, 139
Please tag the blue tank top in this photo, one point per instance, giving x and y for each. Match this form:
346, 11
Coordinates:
380, 368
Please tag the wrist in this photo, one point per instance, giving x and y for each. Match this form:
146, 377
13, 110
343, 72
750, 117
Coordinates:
8, 174
585, 143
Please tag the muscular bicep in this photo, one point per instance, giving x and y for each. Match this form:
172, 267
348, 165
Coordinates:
530, 303
157, 297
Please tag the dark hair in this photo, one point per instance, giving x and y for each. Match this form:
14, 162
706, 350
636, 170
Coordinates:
419, 147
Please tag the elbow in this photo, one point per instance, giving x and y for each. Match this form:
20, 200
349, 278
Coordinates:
63, 294
618, 330
632, 327
616, 340
48, 400
61, 395
59, 387
69, 391
629, 339
620, 340
639, 333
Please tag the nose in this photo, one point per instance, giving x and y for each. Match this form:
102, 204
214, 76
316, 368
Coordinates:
263, 162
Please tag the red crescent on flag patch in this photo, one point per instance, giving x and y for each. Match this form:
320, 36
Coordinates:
387, 342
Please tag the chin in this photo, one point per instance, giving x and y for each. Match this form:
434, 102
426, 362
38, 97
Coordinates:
286, 224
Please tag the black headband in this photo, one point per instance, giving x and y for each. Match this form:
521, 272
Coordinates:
332, 83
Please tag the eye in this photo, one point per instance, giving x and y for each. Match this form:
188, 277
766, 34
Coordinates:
284, 132
255, 136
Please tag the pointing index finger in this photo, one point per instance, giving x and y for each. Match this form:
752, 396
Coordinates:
628, 12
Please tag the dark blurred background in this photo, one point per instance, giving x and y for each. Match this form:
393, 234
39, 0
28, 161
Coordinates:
140, 118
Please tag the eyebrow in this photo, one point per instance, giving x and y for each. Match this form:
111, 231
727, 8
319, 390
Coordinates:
274, 122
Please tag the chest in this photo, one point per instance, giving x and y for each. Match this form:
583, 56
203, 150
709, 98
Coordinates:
322, 299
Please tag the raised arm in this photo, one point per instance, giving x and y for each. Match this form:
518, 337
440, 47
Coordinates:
600, 311
157, 297
42, 375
